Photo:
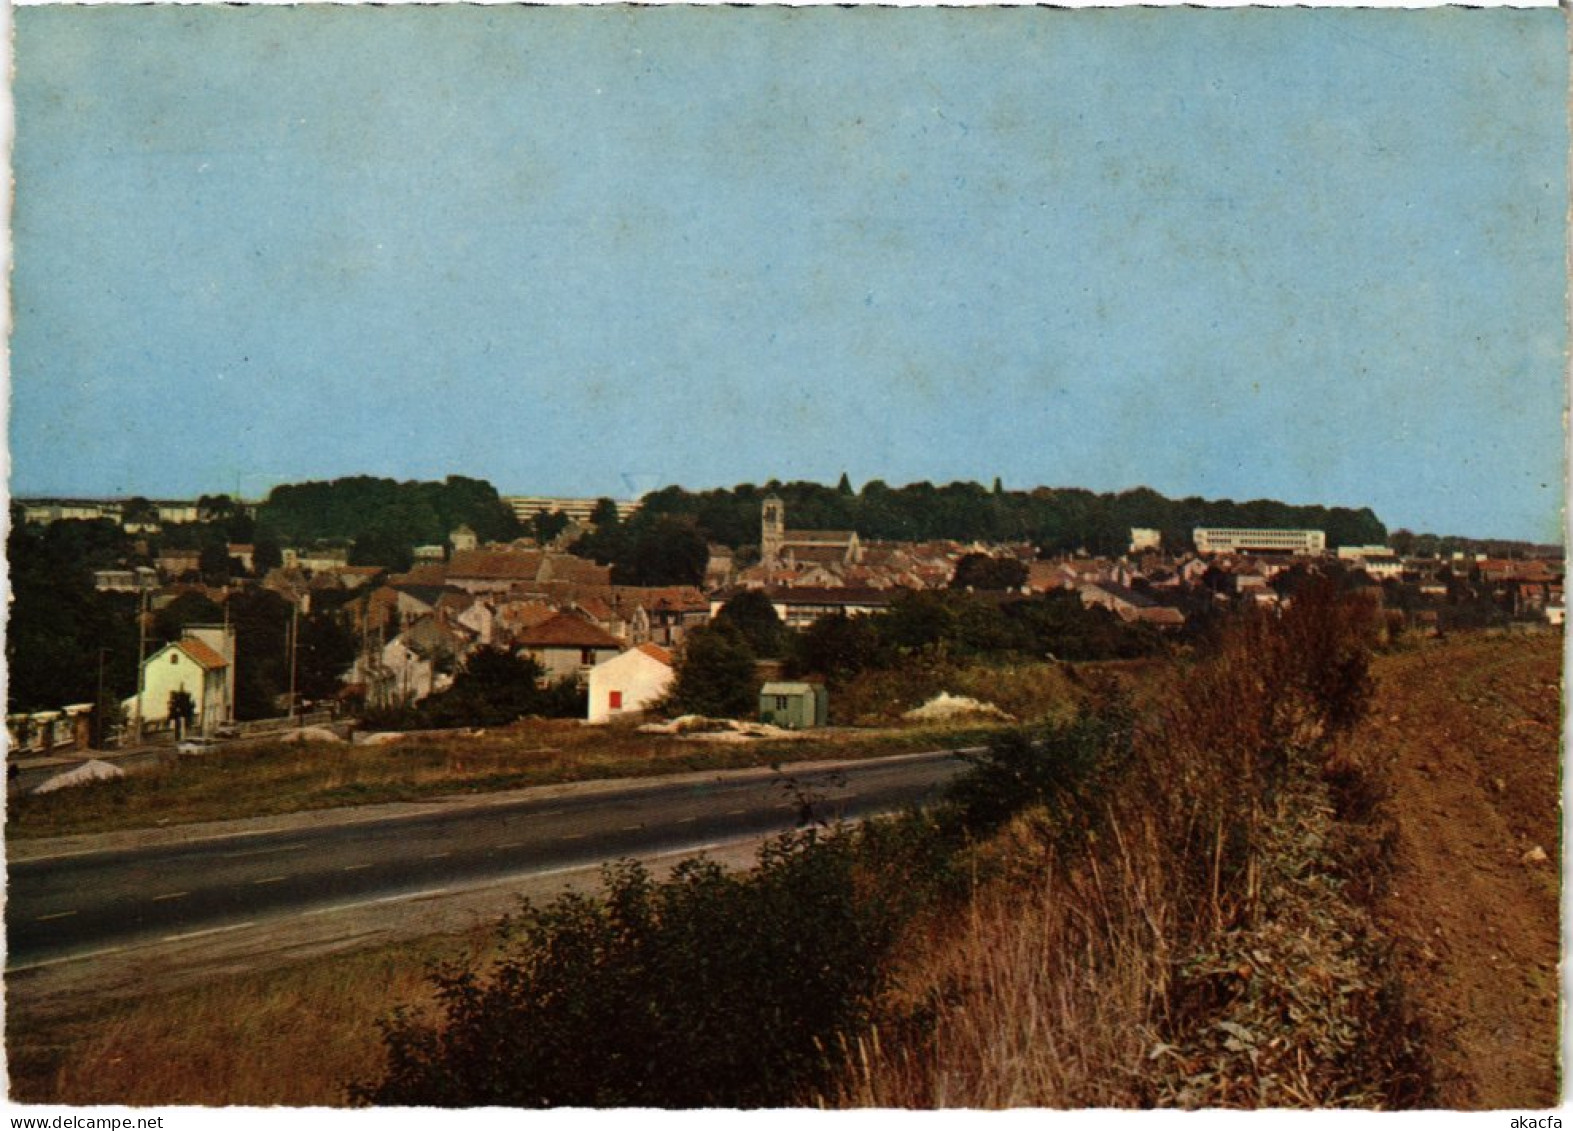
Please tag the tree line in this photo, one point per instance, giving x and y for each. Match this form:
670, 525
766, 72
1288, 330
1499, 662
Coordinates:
1056, 519
382, 520
716, 675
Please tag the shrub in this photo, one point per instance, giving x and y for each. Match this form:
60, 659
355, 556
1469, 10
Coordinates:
1065, 767
708, 989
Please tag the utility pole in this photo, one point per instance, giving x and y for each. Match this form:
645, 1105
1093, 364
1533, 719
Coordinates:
294, 637
98, 704
230, 657
136, 726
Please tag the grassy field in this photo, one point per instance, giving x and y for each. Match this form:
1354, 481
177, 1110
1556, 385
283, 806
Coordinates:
269, 778
296, 1036
262, 779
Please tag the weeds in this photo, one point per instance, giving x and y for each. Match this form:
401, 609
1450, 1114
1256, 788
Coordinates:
708, 989
1185, 938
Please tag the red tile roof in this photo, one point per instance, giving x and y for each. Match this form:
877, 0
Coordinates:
203, 655
656, 652
565, 630
496, 565
434, 574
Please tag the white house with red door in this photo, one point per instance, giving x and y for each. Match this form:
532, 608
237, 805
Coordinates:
629, 683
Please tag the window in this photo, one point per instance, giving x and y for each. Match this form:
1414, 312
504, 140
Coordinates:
615, 700
174, 657
782, 702
587, 656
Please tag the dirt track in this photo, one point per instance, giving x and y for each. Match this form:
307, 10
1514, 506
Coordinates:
1469, 732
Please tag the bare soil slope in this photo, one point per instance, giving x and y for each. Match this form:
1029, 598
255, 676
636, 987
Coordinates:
1469, 734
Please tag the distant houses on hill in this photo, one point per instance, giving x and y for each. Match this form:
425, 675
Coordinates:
414, 628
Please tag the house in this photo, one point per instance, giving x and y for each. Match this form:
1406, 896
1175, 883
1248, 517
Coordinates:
202, 664
1145, 539
795, 706
630, 682
493, 571
480, 617
408, 672
801, 606
132, 580
353, 577
178, 563
1129, 605
720, 567
331, 559
662, 614
567, 646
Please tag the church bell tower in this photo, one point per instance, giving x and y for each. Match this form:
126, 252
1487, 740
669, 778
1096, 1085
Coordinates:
772, 531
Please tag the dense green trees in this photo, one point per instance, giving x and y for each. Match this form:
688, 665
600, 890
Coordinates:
382, 511
663, 549
1059, 520
324, 651
752, 614
715, 674
61, 634
494, 688
965, 626
982, 571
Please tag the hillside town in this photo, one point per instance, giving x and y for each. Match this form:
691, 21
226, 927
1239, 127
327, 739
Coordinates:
405, 633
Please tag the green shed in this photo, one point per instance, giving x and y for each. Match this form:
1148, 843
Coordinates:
794, 705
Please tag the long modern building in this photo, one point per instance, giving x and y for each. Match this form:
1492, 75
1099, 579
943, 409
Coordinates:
1245, 540
526, 507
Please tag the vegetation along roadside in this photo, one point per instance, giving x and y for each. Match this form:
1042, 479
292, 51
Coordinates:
1187, 905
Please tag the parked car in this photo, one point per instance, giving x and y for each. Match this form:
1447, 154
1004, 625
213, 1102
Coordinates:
197, 744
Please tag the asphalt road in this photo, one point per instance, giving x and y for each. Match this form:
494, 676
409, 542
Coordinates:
75, 904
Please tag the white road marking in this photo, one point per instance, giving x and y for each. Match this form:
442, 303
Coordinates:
262, 851
56, 915
573, 836
438, 855
209, 931
271, 880
355, 867
427, 894
170, 895
68, 958
632, 828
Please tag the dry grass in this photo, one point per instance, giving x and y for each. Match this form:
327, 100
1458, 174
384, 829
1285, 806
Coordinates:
1044, 995
295, 1036
1199, 950
1029, 691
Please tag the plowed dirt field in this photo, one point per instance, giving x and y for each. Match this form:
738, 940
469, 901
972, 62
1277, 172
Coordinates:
1469, 733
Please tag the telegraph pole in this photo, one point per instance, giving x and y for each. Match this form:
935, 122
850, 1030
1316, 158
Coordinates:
136, 726
294, 639
98, 704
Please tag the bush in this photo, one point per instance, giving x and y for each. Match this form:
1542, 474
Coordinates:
709, 989
1067, 768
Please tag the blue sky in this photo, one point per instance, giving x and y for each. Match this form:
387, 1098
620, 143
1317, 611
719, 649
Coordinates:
1315, 255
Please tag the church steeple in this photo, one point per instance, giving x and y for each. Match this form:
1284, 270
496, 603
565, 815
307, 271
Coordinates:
772, 531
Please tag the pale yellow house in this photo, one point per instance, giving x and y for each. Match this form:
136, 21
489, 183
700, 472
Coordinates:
202, 664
